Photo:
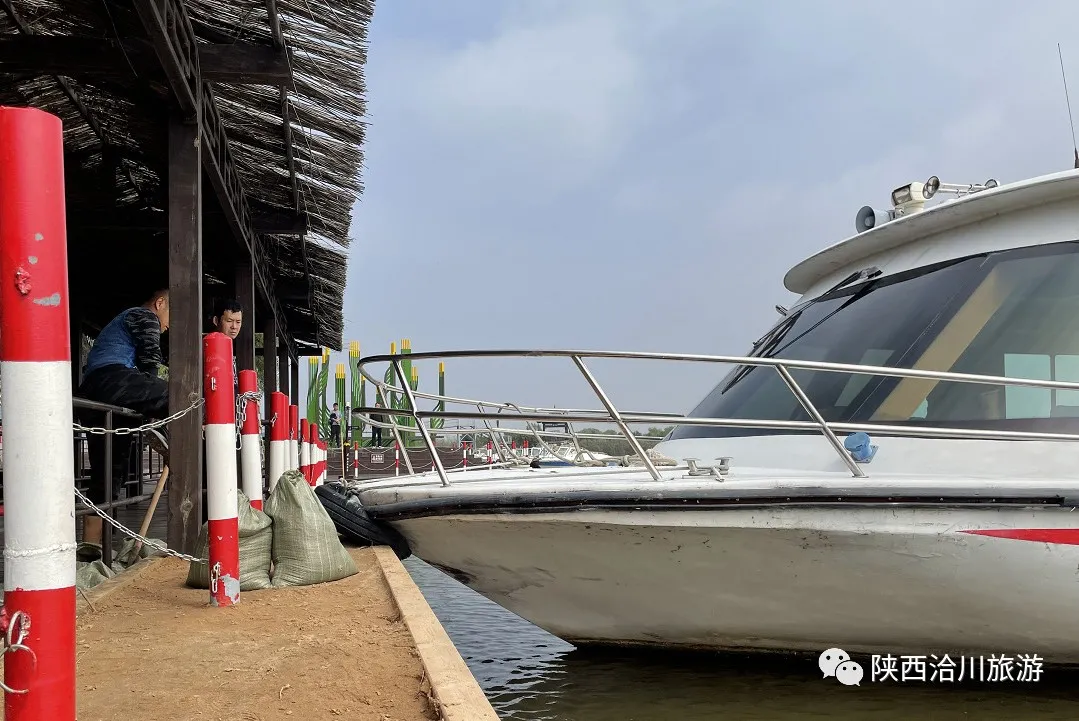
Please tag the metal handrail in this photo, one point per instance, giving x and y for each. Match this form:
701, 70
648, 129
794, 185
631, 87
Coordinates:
612, 415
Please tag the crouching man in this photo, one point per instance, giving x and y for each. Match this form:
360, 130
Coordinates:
123, 369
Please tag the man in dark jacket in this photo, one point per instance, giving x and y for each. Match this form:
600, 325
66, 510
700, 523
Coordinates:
123, 369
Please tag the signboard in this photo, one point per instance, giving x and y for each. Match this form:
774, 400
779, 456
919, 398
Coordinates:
377, 457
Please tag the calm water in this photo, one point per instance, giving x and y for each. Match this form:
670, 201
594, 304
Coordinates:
529, 674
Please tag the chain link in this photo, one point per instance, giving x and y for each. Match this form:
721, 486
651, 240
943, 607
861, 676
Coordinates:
20, 624
128, 532
195, 403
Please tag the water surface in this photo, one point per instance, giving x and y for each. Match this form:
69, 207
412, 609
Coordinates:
530, 675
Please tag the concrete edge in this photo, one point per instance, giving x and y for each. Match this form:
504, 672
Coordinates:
453, 686
84, 600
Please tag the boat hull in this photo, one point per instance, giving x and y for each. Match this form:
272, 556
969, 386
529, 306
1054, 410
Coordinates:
874, 580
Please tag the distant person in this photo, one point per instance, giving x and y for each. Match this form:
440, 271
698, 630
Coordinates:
335, 427
124, 368
376, 431
228, 318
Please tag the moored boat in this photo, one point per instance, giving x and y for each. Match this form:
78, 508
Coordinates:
890, 470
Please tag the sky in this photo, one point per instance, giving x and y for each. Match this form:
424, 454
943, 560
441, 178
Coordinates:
640, 174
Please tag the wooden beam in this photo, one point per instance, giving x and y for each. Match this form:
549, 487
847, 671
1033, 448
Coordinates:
146, 219
185, 333
27, 33
244, 64
245, 293
89, 57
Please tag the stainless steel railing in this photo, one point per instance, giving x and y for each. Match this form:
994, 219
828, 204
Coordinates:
611, 414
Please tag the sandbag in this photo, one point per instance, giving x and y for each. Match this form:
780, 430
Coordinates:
88, 575
306, 548
126, 556
256, 540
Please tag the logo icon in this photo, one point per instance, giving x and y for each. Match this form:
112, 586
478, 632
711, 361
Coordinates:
836, 662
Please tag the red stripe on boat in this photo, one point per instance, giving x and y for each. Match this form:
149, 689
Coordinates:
1065, 536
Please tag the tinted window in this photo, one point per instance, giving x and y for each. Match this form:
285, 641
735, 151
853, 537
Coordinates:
1014, 313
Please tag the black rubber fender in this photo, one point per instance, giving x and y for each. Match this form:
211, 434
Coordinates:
353, 521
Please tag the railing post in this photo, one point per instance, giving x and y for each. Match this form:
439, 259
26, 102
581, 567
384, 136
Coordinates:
250, 453
424, 433
35, 356
305, 449
110, 453
811, 409
222, 524
634, 444
277, 450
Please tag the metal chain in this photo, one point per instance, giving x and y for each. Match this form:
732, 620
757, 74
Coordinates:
241, 413
127, 531
195, 403
19, 623
241, 405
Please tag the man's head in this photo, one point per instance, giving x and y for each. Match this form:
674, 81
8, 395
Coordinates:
228, 317
159, 304
335, 406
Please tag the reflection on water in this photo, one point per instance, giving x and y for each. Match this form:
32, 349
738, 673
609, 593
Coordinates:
531, 675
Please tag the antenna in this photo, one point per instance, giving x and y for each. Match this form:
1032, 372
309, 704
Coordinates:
1071, 120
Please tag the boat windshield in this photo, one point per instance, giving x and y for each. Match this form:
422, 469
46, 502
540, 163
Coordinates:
1013, 313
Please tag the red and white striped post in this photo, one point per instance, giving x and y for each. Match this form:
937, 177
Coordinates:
35, 358
250, 452
312, 476
305, 449
222, 524
293, 440
464, 455
320, 465
356, 460
488, 451
396, 459
278, 437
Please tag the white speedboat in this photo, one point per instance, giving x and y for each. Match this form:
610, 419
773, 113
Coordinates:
892, 469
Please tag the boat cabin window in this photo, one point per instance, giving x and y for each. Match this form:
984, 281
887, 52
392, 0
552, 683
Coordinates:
1014, 313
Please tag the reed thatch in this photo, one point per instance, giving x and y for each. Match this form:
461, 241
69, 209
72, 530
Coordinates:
118, 158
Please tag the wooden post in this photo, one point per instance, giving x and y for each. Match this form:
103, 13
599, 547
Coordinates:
185, 333
294, 382
283, 375
269, 374
269, 360
245, 293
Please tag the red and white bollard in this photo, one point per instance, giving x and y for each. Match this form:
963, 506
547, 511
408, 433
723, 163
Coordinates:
305, 449
250, 452
278, 446
355, 460
222, 524
464, 455
312, 443
35, 357
396, 459
320, 477
488, 452
293, 438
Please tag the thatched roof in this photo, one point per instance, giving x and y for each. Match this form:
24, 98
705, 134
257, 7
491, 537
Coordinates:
117, 141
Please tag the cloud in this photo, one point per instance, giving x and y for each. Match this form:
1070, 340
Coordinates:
640, 175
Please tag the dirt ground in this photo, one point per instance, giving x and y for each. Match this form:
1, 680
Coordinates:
154, 650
